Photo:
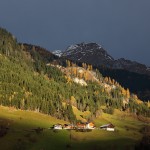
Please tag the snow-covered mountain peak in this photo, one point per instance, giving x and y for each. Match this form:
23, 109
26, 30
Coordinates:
88, 52
57, 53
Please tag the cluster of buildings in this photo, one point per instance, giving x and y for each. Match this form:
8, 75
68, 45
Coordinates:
90, 126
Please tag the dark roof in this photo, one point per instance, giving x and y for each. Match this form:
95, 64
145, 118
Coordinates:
107, 126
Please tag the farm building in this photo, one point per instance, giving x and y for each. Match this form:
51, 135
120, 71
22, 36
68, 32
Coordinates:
81, 126
108, 127
68, 126
86, 125
90, 125
58, 126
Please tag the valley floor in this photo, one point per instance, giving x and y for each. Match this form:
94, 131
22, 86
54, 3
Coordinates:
20, 130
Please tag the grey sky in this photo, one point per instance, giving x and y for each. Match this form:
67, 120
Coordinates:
122, 27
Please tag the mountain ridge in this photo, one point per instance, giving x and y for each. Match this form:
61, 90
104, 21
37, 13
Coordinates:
95, 54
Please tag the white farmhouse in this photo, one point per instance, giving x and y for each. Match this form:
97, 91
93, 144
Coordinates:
58, 126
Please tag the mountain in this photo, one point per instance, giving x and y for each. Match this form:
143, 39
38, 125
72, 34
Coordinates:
32, 78
95, 54
90, 53
129, 74
34, 82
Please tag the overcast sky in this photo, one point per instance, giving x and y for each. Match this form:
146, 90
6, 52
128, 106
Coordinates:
122, 27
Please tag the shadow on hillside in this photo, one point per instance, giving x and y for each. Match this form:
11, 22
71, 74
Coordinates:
4, 127
18, 135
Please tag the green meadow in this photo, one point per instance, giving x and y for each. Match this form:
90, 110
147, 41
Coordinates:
28, 130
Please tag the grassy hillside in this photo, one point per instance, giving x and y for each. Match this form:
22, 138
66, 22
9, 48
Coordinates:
29, 81
22, 134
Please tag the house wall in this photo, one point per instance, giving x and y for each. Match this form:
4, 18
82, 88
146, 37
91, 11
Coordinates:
110, 129
57, 127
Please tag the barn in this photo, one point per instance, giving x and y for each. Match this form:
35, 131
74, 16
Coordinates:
108, 127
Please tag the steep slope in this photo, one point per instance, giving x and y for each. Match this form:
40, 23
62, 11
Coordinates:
30, 81
130, 74
27, 83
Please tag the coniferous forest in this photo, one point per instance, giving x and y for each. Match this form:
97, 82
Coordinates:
27, 82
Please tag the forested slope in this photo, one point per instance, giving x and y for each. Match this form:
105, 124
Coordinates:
27, 82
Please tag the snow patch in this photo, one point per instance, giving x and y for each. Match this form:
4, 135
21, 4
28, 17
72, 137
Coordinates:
109, 57
58, 53
72, 47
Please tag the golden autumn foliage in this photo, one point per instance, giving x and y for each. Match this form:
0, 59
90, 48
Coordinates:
134, 97
106, 79
139, 101
128, 93
80, 75
84, 65
148, 103
68, 63
74, 71
123, 91
68, 79
73, 101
